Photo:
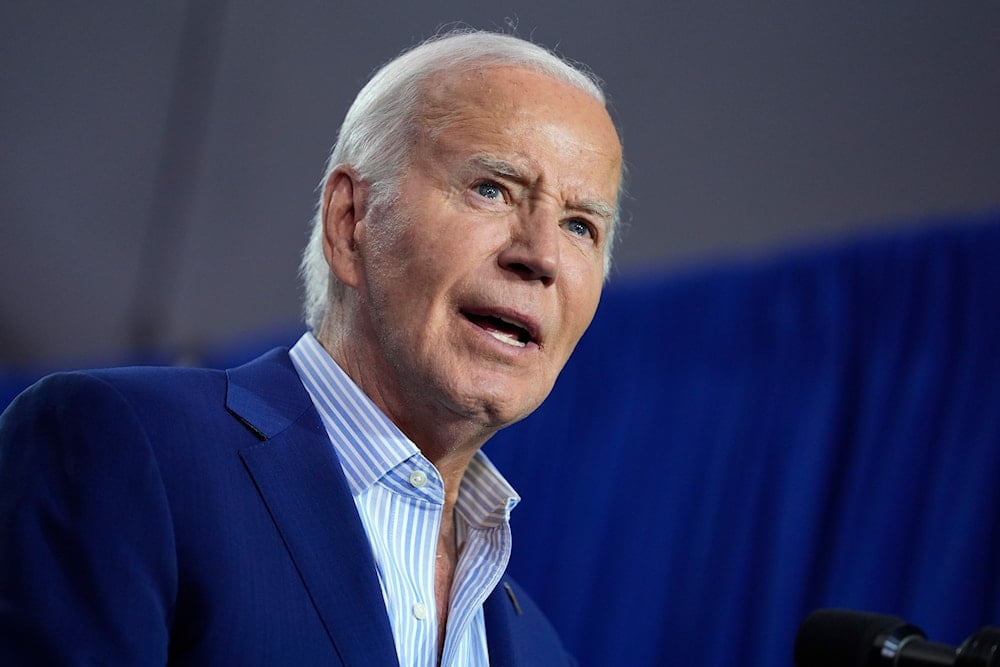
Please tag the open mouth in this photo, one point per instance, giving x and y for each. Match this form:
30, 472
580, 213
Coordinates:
504, 330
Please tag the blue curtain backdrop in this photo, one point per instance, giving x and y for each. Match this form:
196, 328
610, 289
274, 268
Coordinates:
733, 447
730, 449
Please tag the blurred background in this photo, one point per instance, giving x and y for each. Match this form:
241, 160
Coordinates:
160, 158
789, 398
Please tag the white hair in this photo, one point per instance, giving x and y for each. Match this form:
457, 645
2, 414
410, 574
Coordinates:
374, 137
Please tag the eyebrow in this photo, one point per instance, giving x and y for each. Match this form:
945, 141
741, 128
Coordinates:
501, 167
498, 166
596, 207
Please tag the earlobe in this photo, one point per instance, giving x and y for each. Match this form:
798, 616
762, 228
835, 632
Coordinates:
345, 198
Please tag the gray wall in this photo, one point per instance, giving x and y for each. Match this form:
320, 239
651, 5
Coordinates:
160, 159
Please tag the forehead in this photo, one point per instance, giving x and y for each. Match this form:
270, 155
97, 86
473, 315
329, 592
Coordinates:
540, 124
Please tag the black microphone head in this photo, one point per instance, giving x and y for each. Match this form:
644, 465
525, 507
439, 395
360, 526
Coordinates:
845, 638
981, 649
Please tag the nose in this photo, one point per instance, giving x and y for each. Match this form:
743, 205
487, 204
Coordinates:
533, 250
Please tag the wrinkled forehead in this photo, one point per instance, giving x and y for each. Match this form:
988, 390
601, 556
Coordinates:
448, 93
522, 114
490, 100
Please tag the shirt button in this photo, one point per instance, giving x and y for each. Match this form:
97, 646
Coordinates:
418, 478
420, 611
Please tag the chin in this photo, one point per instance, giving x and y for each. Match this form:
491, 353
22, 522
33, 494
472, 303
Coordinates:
499, 409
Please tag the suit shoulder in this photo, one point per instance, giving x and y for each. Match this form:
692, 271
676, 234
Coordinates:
124, 381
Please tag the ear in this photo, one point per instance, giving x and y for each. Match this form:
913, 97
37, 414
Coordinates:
345, 198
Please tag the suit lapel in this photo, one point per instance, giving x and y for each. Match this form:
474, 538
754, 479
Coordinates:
498, 612
301, 482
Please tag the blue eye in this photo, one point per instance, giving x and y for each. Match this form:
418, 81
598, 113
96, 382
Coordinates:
578, 227
489, 190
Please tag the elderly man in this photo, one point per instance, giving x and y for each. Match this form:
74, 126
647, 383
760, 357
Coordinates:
330, 504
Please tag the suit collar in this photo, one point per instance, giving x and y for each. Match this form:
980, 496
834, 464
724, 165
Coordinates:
266, 394
300, 480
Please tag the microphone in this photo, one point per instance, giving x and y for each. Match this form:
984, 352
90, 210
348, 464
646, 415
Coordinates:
845, 638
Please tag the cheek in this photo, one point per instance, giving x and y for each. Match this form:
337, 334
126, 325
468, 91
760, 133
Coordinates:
583, 294
407, 283
578, 325
432, 258
396, 253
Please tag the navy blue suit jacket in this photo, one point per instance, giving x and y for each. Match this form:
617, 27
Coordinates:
188, 516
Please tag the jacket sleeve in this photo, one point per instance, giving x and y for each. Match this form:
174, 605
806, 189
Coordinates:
87, 566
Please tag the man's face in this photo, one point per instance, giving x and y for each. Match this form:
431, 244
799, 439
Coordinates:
478, 280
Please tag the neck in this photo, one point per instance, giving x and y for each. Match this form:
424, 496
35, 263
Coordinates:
447, 440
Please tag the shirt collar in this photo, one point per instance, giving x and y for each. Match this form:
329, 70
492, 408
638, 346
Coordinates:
369, 445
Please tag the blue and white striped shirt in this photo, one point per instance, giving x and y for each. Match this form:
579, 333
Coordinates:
400, 495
